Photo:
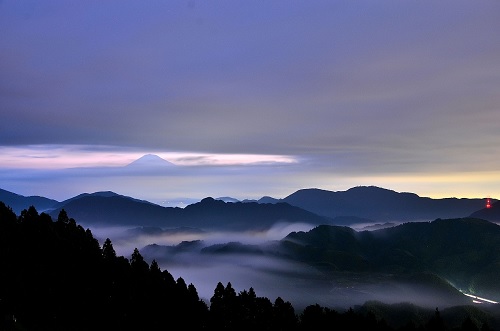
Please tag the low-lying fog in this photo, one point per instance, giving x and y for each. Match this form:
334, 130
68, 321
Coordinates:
180, 252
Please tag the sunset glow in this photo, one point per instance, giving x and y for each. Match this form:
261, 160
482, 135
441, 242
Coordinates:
63, 157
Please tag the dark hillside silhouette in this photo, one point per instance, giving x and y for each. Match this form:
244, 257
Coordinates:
240, 216
117, 210
491, 214
206, 214
19, 202
54, 275
462, 251
356, 206
381, 204
104, 194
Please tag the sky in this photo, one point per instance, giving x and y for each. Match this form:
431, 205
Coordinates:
249, 98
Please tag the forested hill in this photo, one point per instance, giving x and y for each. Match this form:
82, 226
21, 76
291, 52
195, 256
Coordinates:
381, 204
56, 276
463, 251
19, 202
208, 214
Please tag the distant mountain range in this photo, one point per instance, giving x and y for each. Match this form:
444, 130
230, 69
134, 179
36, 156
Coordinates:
208, 214
19, 202
381, 204
414, 256
400, 275
364, 204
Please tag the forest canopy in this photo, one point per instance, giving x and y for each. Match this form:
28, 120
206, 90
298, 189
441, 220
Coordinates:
56, 276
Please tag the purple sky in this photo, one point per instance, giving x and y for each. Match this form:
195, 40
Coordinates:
250, 98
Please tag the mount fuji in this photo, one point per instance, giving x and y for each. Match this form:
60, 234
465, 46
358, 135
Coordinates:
150, 161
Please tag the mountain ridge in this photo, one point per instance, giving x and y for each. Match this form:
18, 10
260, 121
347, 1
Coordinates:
209, 213
19, 202
358, 205
381, 204
463, 251
427, 263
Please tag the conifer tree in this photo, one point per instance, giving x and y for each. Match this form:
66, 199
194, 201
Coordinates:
108, 252
137, 262
63, 217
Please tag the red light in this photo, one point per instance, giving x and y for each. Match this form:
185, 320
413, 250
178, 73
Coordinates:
488, 203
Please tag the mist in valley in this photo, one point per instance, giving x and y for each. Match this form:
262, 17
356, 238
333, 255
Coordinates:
244, 259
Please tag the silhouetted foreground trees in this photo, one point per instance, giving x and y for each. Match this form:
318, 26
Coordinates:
54, 275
